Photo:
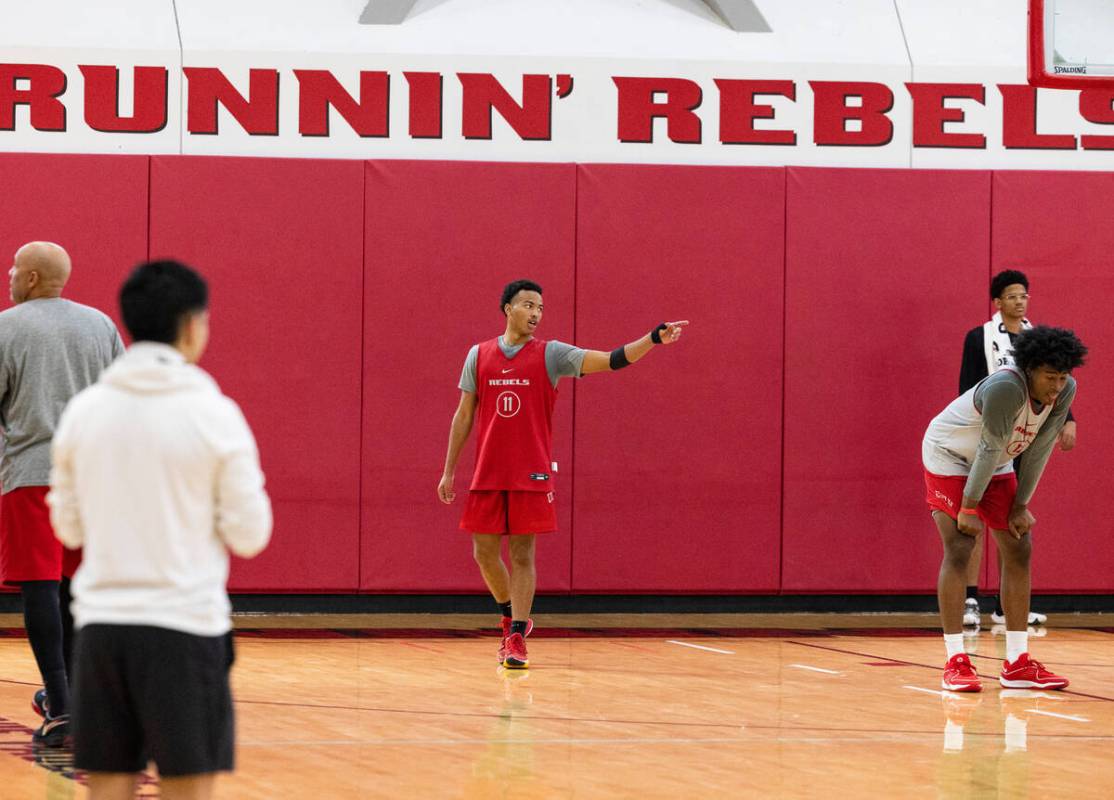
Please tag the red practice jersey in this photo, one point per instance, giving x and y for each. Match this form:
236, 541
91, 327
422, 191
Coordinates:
514, 409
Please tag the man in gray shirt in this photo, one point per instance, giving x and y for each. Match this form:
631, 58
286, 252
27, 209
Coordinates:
50, 349
968, 453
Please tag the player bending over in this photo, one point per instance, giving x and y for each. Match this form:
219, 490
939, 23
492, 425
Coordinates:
968, 454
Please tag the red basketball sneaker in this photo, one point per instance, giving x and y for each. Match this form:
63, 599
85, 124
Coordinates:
960, 675
507, 632
516, 652
1027, 673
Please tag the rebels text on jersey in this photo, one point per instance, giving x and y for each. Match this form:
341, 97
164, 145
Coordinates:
514, 410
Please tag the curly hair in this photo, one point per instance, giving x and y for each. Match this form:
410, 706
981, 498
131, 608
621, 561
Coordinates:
1006, 278
513, 288
1045, 346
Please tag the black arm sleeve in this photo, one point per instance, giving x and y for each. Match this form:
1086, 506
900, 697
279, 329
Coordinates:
973, 367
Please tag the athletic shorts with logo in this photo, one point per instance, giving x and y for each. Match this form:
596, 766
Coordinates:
29, 550
148, 693
945, 493
509, 512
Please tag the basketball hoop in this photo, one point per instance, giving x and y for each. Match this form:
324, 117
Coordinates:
1071, 44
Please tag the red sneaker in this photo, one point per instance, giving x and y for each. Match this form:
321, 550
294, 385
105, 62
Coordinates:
960, 675
507, 632
516, 652
1027, 673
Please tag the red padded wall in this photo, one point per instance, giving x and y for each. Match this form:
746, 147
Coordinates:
1056, 228
345, 296
442, 241
678, 458
886, 270
280, 241
94, 206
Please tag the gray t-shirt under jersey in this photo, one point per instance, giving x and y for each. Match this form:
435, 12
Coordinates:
998, 399
50, 349
561, 361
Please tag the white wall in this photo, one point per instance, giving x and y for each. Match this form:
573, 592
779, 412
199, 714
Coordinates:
879, 41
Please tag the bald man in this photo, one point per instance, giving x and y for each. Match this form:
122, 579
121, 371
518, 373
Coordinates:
50, 349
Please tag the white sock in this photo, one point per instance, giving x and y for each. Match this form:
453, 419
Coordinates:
954, 643
1017, 642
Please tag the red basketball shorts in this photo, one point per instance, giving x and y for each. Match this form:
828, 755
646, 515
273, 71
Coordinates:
945, 493
28, 549
509, 512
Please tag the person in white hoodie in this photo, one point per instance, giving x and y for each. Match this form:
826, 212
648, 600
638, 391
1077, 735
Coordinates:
156, 474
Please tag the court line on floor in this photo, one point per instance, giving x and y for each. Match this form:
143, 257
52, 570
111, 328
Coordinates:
1058, 716
863, 655
417, 646
515, 741
701, 647
1072, 692
484, 714
937, 692
562, 719
843, 731
838, 736
816, 669
631, 646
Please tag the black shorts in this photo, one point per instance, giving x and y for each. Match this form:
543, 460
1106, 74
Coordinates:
143, 694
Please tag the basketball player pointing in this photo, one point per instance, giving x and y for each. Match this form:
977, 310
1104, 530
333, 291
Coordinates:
508, 387
968, 452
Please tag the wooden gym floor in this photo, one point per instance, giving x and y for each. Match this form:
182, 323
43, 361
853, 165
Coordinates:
631, 706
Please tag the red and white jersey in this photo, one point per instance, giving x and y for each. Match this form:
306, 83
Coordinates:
953, 437
514, 411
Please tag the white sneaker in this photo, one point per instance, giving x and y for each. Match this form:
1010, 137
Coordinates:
971, 615
1034, 618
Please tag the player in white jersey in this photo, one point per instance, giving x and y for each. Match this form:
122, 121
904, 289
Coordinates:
968, 453
986, 349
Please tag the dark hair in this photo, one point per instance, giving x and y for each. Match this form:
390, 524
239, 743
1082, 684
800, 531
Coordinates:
1045, 346
1007, 277
157, 296
514, 287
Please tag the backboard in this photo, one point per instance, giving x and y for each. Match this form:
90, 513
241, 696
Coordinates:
1071, 44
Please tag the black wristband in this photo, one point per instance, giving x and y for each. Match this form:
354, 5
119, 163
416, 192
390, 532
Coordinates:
619, 358
655, 334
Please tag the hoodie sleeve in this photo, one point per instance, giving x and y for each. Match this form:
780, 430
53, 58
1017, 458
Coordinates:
65, 516
243, 509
